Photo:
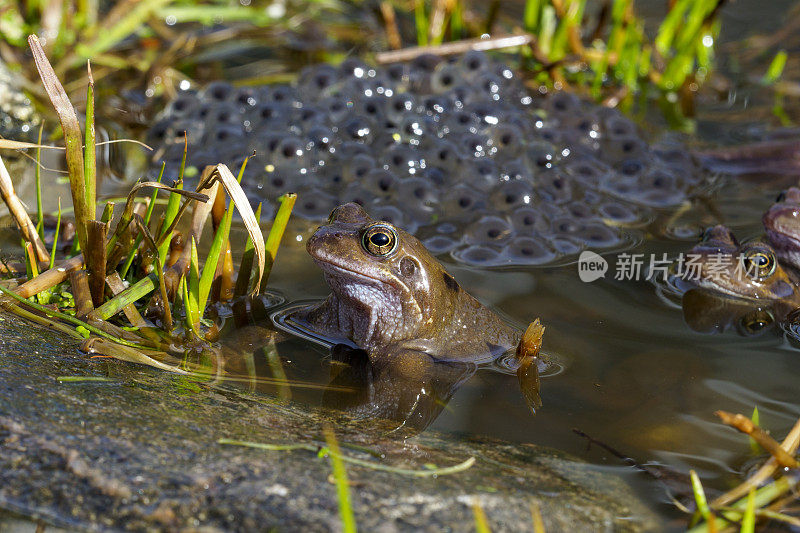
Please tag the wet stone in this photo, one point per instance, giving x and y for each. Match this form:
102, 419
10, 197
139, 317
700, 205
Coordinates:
140, 452
437, 140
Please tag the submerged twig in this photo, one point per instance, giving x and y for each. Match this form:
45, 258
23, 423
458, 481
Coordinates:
745, 425
790, 444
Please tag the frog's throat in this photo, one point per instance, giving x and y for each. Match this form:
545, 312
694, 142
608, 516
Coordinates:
338, 271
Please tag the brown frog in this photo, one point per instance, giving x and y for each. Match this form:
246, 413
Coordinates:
782, 226
392, 298
751, 270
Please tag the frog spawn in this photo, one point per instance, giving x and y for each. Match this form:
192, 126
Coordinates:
455, 151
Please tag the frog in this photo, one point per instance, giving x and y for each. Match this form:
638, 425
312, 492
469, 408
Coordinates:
392, 298
782, 226
750, 271
705, 311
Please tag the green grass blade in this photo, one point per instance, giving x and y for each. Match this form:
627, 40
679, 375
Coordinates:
669, 27
191, 302
342, 485
421, 22
481, 522
173, 205
213, 258
110, 37
754, 446
55, 236
775, 69
457, 22
700, 496
749, 517
276, 234
108, 213
547, 30
135, 292
530, 17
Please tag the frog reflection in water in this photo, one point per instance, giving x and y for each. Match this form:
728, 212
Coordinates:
750, 271
727, 283
419, 334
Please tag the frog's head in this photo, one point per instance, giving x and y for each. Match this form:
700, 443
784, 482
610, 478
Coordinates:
382, 273
751, 270
782, 226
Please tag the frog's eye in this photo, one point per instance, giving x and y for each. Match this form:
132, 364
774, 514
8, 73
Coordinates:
379, 239
755, 321
759, 262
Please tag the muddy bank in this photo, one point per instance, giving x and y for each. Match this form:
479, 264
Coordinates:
140, 451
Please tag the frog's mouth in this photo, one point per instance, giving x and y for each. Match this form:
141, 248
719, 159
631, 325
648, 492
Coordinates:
342, 271
341, 279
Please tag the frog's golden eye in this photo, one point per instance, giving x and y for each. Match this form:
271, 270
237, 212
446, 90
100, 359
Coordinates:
379, 239
754, 322
759, 263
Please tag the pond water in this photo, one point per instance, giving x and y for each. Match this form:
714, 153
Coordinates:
631, 372
636, 375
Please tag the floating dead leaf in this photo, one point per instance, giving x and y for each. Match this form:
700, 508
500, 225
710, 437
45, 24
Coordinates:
531, 341
99, 346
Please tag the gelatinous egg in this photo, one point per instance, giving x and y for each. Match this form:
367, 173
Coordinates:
456, 150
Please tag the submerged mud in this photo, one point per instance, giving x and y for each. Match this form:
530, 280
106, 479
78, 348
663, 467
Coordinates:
457, 151
140, 452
